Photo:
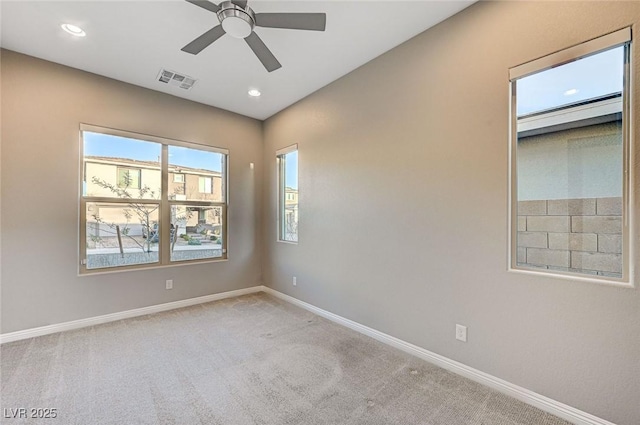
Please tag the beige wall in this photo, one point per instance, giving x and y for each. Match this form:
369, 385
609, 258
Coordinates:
42, 107
403, 209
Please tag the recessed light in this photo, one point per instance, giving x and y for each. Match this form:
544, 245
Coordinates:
571, 92
73, 30
254, 93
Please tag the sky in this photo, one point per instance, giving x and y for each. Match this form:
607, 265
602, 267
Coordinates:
96, 144
187, 157
597, 75
291, 170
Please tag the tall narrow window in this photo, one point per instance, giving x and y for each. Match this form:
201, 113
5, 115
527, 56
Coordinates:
287, 160
570, 150
135, 213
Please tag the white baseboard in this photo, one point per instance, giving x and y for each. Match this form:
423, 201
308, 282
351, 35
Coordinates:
546, 404
91, 321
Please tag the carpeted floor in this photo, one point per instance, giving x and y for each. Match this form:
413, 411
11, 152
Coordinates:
248, 360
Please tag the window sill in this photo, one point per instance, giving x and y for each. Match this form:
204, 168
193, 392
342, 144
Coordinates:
574, 277
96, 272
287, 242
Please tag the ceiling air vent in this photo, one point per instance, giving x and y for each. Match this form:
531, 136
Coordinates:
174, 79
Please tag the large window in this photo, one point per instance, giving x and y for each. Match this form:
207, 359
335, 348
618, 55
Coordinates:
570, 156
135, 213
287, 160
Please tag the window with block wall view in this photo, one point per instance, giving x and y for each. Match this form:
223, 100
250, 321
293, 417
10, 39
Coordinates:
570, 149
287, 160
149, 201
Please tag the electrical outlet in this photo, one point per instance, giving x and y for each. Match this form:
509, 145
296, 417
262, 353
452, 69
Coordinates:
169, 284
295, 281
461, 333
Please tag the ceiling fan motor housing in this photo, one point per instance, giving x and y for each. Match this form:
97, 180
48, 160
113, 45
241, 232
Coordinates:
236, 21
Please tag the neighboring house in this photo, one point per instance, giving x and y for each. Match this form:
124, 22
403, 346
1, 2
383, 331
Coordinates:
291, 210
570, 188
142, 179
571, 152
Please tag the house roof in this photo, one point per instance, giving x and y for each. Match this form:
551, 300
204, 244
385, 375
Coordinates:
128, 162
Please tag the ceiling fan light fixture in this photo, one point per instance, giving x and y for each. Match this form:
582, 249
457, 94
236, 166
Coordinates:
236, 27
235, 21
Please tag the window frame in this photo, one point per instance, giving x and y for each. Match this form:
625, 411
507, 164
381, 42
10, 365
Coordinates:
594, 46
165, 204
281, 192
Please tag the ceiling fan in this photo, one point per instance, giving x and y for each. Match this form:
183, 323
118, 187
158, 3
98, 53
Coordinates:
238, 20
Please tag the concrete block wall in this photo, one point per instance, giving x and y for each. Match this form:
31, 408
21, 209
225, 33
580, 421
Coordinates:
575, 235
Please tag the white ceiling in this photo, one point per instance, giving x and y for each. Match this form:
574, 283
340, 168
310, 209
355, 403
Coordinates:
131, 41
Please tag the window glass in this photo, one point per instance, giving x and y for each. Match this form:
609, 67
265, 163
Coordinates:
569, 167
197, 232
123, 207
205, 184
288, 196
117, 167
202, 173
121, 235
129, 178
572, 83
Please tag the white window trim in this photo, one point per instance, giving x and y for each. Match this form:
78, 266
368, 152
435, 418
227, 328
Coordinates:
582, 50
591, 47
287, 150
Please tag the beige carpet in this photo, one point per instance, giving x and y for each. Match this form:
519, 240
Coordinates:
247, 360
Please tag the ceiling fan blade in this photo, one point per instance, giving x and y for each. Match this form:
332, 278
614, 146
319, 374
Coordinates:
205, 5
197, 45
240, 3
294, 21
262, 52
